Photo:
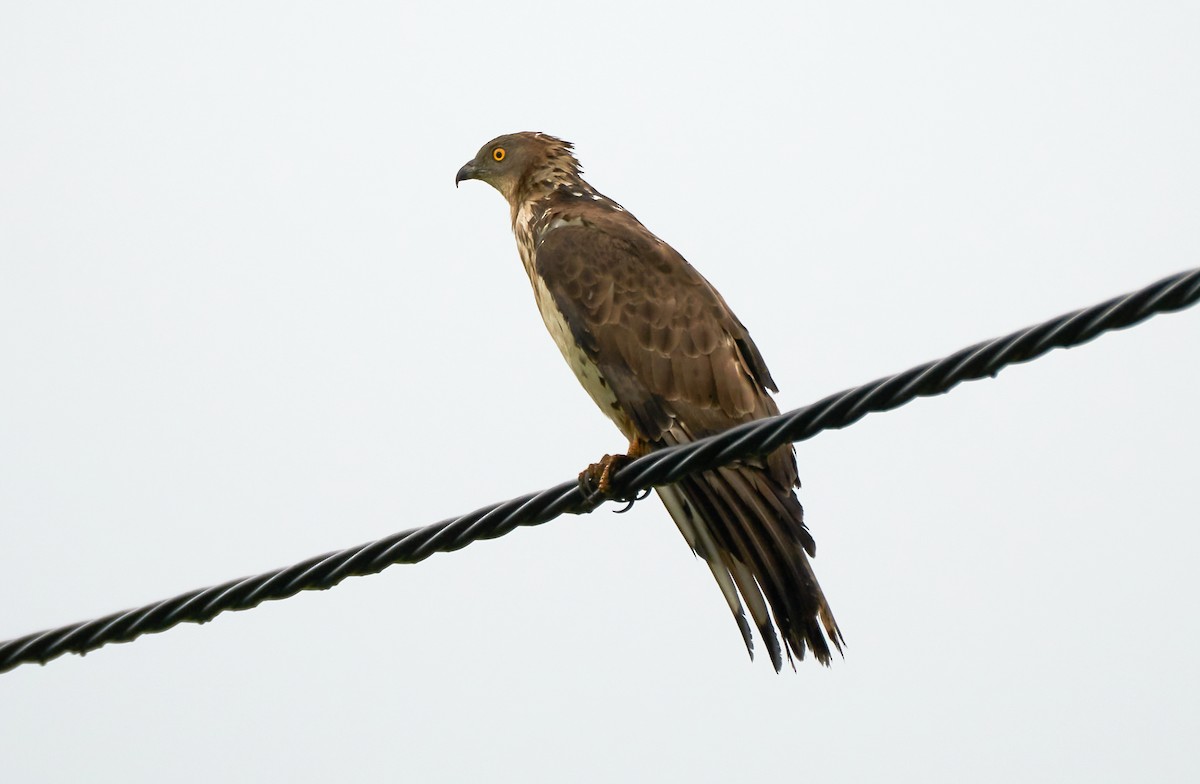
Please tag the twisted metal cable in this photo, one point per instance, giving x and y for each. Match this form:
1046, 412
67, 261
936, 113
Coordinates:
661, 467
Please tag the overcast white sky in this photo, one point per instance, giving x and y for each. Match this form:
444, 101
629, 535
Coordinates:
246, 318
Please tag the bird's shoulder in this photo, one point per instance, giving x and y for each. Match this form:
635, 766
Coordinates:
588, 248
632, 300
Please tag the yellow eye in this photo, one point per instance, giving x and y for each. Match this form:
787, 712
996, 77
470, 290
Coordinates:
498, 154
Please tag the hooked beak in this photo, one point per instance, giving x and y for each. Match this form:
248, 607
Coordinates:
467, 172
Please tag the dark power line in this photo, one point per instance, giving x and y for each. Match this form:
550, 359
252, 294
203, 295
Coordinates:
661, 467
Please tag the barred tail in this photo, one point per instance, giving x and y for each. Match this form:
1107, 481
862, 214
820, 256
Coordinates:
751, 532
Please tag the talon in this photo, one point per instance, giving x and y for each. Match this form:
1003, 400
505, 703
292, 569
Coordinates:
630, 502
585, 481
592, 480
596, 479
598, 476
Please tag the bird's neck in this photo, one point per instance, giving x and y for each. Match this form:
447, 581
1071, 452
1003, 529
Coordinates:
555, 173
528, 203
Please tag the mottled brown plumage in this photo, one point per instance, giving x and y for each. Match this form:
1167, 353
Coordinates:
666, 359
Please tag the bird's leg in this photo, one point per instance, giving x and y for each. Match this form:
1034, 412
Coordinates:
597, 478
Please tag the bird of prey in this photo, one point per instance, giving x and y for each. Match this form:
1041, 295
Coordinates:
661, 353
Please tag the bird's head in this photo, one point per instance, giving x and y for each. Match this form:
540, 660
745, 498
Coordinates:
517, 164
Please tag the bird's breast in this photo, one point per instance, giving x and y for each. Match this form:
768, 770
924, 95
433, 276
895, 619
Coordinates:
584, 368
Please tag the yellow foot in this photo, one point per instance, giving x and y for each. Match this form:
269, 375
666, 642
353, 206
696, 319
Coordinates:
596, 479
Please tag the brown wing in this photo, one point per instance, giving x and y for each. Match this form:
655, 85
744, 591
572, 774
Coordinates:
639, 308
682, 366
